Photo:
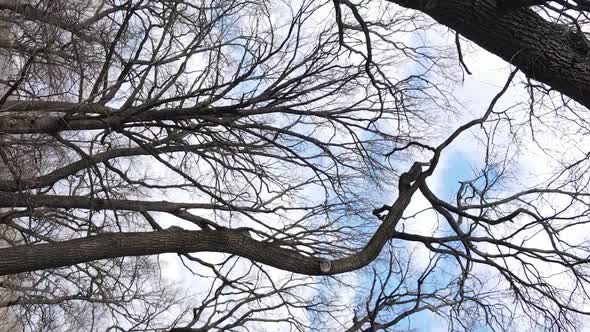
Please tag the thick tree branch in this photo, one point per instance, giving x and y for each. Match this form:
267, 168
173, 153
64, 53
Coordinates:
54, 176
10, 200
66, 253
96, 116
547, 52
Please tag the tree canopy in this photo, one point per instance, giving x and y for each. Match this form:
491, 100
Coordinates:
214, 165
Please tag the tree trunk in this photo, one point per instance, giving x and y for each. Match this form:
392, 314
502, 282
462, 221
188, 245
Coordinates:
544, 51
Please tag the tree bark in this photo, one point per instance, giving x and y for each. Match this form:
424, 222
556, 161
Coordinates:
111, 245
544, 51
39, 117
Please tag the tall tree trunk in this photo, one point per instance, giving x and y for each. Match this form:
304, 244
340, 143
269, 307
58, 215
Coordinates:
544, 51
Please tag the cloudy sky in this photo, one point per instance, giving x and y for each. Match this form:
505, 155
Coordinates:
461, 161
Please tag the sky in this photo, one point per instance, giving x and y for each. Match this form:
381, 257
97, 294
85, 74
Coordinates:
464, 157
460, 162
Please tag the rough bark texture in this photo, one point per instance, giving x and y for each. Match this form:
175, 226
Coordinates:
41, 256
46, 117
544, 51
111, 245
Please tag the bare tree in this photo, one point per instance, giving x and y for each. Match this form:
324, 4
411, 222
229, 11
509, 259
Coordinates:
260, 143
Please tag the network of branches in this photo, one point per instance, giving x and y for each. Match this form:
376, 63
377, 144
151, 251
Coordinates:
231, 165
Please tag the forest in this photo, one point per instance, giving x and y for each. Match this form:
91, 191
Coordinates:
236, 165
